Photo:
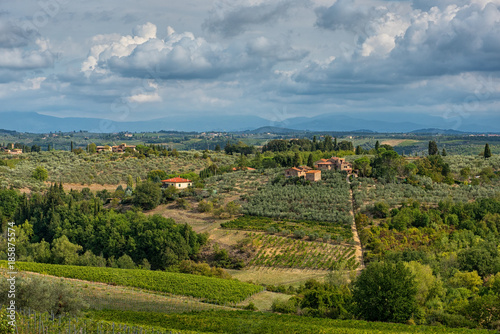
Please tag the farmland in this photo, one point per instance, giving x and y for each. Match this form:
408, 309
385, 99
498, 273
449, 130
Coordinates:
281, 252
206, 288
427, 225
248, 322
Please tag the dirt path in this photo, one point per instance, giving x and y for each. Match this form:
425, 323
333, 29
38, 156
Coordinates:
355, 235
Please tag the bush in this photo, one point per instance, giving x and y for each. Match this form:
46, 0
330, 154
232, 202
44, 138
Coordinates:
203, 269
40, 174
44, 295
385, 292
289, 306
380, 210
299, 234
251, 307
147, 195
205, 206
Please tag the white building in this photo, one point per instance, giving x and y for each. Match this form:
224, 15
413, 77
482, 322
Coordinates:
177, 182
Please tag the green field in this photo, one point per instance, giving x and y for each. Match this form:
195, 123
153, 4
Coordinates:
207, 288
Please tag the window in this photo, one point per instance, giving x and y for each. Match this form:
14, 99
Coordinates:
179, 185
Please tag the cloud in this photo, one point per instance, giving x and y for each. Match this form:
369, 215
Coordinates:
231, 18
12, 35
405, 57
182, 56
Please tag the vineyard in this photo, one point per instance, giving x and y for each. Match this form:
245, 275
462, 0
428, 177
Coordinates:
280, 252
323, 230
327, 200
99, 296
28, 322
256, 322
207, 288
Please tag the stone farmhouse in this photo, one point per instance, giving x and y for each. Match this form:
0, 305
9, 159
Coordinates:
15, 151
305, 172
334, 163
117, 149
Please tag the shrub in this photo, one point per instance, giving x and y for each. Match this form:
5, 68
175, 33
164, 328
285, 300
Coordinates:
385, 292
147, 195
40, 174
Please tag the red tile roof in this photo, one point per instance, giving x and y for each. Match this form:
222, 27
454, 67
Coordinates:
176, 180
313, 171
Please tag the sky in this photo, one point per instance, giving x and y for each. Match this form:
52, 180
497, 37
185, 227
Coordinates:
139, 60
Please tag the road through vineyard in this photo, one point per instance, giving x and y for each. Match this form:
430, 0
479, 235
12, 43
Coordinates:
355, 236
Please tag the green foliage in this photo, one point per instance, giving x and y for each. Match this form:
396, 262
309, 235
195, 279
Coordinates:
484, 311
43, 295
76, 222
5, 327
363, 165
385, 292
487, 151
155, 175
40, 174
380, 210
208, 288
482, 258
237, 322
205, 206
147, 195
9, 200
433, 149
203, 269
65, 252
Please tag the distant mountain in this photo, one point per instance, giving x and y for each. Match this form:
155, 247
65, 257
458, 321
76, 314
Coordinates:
38, 123
352, 122
272, 129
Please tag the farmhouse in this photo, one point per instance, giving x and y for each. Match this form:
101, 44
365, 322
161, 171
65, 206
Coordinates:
121, 148
103, 149
313, 175
334, 163
305, 172
177, 182
297, 171
15, 151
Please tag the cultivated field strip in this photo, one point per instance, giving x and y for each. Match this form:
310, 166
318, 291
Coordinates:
283, 252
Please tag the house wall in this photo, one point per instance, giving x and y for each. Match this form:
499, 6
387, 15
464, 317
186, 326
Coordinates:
180, 185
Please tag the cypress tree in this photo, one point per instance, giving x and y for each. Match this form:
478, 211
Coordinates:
310, 161
444, 152
377, 146
487, 151
433, 149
